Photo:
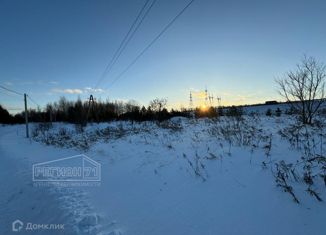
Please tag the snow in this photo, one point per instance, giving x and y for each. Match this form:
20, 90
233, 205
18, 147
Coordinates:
179, 177
262, 108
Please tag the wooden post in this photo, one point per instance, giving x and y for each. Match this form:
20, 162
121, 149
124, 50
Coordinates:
26, 115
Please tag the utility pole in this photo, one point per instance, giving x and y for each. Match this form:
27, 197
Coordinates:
26, 115
90, 102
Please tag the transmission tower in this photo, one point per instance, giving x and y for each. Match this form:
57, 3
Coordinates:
206, 96
211, 99
218, 101
90, 108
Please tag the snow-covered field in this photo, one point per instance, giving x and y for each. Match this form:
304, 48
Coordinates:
184, 176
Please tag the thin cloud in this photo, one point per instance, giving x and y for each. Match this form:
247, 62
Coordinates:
20, 82
93, 90
86, 90
53, 82
68, 91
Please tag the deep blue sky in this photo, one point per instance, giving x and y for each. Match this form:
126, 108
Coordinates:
235, 48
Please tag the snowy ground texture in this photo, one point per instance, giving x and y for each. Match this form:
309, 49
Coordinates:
255, 175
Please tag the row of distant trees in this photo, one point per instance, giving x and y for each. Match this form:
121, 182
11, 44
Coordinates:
80, 112
7, 118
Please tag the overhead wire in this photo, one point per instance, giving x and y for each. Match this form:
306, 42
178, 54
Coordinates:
8, 93
10, 90
151, 43
125, 41
33, 101
18, 93
138, 25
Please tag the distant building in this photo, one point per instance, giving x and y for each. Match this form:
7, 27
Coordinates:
271, 102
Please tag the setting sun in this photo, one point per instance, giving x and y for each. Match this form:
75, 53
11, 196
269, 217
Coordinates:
203, 108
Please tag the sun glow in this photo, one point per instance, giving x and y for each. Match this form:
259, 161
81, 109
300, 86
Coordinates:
203, 108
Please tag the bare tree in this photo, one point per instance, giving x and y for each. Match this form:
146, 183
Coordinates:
157, 105
304, 88
132, 106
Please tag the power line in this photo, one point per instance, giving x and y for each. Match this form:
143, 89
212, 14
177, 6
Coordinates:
33, 101
8, 94
12, 91
152, 42
25, 103
18, 93
131, 32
